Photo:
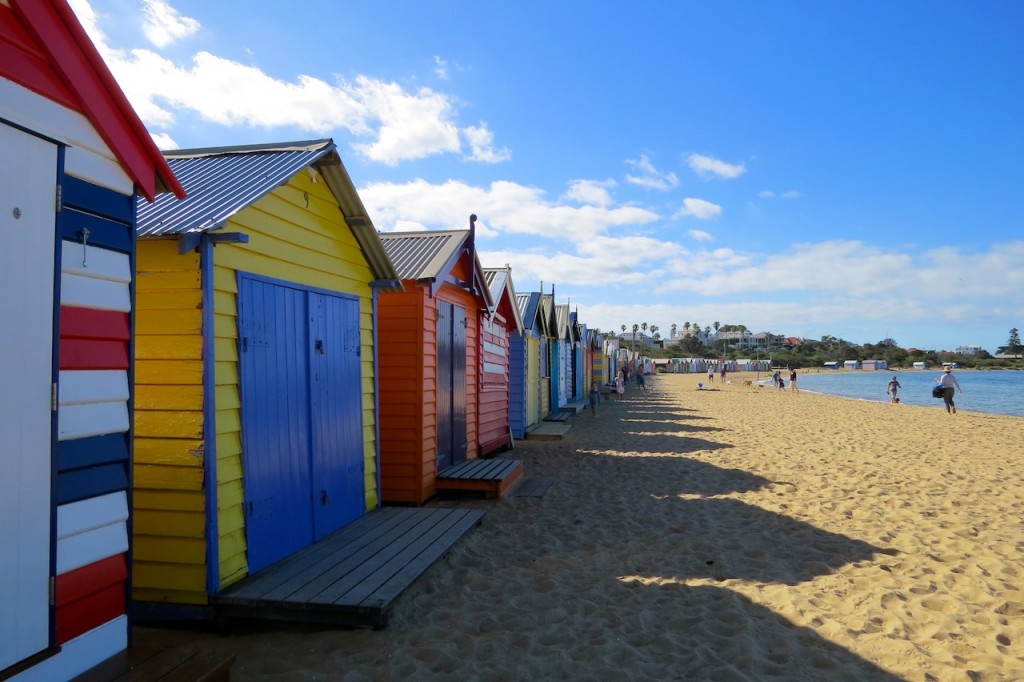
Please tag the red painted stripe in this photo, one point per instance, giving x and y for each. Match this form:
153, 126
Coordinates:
86, 323
90, 596
21, 62
93, 354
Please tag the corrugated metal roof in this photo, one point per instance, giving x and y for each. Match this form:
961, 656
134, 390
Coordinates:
221, 181
498, 280
423, 255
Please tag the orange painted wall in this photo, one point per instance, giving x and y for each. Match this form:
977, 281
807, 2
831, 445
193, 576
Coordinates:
408, 388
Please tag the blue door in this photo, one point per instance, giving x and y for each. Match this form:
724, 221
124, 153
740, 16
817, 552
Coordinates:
451, 385
336, 399
301, 416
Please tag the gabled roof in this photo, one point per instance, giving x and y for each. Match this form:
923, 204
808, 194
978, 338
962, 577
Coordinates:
562, 320
499, 281
223, 181
428, 257
44, 48
530, 312
547, 307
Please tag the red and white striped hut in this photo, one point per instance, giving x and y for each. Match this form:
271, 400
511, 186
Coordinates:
73, 156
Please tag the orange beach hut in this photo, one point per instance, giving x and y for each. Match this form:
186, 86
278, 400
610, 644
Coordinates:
429, 360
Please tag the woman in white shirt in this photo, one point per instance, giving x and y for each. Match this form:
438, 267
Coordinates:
949, 386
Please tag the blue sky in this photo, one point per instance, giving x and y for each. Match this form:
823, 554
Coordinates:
804, 168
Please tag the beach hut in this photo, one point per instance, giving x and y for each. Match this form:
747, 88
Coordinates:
73, 157
533, 346
255, 405
430, 362
497, 328
561, 357
851, 364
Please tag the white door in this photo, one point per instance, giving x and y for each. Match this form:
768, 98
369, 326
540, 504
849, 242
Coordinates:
28, 173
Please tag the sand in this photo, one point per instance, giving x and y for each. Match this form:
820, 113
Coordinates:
736, 533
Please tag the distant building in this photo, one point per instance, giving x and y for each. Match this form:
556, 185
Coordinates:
969, 350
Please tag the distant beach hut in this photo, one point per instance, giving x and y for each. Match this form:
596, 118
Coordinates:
533, 347
256, 402
851, 364
831, 365
920, 365
497, 383
73, 157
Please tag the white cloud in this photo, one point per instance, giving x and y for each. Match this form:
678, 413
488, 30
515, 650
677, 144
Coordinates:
164, 141
700, 235
706, 166
593, 192
503, 207
768, 194
649, 176
481, 145
164, 25
390, 124
698, 208
441, 68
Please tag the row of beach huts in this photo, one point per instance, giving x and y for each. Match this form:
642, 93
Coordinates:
211, 359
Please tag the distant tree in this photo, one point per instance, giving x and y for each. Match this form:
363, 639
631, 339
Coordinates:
674, 327
686, 328
1013, 345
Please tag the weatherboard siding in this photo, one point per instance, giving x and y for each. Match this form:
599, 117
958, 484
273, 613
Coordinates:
169, 542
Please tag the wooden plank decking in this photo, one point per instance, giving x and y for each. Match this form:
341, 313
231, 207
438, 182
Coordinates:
493, 477
172, 664
352, 577
548, 431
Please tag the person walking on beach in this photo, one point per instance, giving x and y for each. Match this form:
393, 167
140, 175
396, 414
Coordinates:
620, 383
711, 374
792, 381
640, 381
949, 386
595, 398
893, 389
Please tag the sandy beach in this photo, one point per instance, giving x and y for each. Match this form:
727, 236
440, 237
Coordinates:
731, 533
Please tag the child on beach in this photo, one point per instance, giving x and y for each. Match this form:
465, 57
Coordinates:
620, 383
595, 398
893, 389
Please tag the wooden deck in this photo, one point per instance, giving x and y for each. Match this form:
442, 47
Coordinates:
548, 431
352, 577
171, 664
493, 477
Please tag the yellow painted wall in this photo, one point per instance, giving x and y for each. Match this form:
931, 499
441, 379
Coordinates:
532, 380
169, 557
311, 246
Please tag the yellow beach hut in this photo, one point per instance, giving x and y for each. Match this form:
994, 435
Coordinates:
256, 405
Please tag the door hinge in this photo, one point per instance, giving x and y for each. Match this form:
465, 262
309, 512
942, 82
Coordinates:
245, 344
53, 397
60, 197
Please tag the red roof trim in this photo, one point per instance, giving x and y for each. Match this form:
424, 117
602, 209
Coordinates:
56, 30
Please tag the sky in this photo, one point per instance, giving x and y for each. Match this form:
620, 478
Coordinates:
850, 169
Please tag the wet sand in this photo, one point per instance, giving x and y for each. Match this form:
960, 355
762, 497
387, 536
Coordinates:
730, 533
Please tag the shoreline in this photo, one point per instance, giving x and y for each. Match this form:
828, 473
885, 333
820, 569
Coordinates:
724, 533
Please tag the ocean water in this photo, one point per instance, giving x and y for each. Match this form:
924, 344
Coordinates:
992, 391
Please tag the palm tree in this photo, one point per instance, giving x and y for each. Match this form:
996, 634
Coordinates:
674, 327
716, 325
686, 328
